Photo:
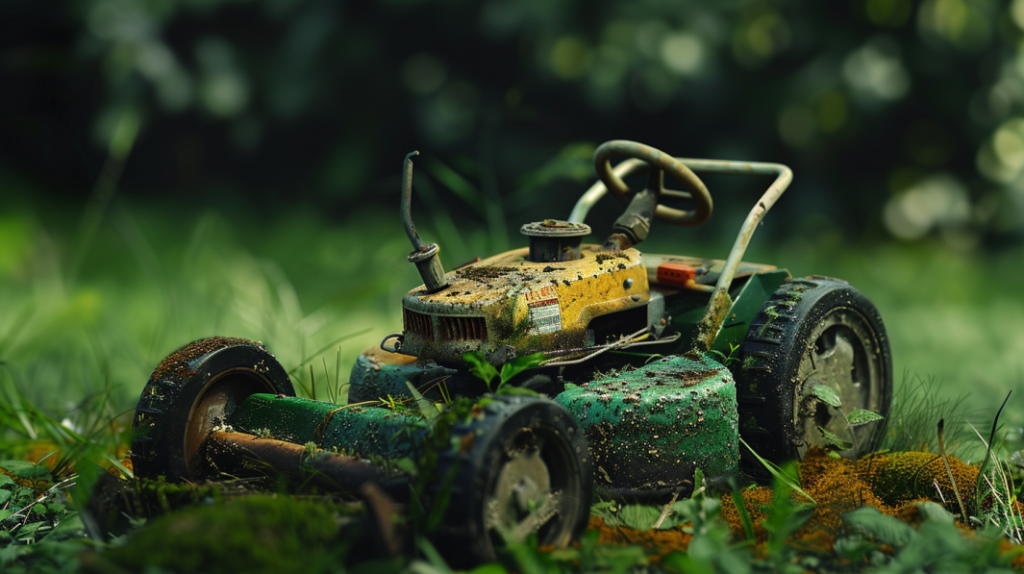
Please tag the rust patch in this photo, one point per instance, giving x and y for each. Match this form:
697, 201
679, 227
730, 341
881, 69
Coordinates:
608, 256
481, 272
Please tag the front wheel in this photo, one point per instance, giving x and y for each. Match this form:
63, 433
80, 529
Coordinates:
192, 392
815, 353
522, 468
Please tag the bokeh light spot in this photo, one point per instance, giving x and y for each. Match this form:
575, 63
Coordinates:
760, 38
682, 53
1017, 12
451, 113
223, 90
961, 23
570, 58
937, 202
876, 72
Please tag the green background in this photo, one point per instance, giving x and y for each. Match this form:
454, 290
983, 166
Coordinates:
176, 169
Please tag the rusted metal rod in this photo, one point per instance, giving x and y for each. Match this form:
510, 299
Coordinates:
410, 229
423, 255
721, 303
597, 191
240, 453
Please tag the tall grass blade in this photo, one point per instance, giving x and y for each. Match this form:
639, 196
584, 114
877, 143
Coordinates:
459, 185
949, 472
916, 409
296, 368
121, 142
327, 375
779, 473
312, 382
741, 507
988, 452
17, 327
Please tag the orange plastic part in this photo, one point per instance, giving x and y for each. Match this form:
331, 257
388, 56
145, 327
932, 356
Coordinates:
676, 274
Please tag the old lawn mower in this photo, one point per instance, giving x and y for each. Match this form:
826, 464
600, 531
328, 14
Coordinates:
620, 372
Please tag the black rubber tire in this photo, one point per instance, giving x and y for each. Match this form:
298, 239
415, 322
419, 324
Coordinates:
513, 435
811, 331
193, 391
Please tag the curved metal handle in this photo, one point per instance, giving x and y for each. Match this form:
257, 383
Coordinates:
597, 191
394, 348
660, 163
720, 303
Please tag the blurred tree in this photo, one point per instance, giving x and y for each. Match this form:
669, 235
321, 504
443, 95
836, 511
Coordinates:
899, 117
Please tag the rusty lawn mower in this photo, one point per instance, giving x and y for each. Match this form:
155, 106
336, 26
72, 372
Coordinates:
643, 369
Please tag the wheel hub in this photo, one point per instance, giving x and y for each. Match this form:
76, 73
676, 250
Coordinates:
838, 359
522, 501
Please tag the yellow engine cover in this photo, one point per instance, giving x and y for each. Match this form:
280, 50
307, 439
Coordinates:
509, 301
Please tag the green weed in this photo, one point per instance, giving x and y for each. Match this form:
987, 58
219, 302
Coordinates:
485, 371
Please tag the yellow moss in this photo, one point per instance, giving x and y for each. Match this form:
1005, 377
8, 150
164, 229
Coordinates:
754, 500
39, 486
657, 542
910, 513
839, 486
836, 486
903, 476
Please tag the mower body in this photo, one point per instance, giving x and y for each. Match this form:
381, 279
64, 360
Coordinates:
643, 368
649, 425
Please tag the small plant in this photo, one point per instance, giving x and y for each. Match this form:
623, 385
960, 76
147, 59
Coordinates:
391, 403
262, 433
727, 360
856, 418
784, 517
752, 362
486, 372
772, 314
34, 514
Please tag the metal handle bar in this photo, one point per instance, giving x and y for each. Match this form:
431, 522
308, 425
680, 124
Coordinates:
720, 303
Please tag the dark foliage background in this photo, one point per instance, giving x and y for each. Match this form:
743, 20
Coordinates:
899, 117
175, 169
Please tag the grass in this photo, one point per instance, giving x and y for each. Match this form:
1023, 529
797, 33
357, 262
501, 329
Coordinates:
77, 346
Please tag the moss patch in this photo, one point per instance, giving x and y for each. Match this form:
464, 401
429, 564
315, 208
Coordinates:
893, 483
657, 543
253, 534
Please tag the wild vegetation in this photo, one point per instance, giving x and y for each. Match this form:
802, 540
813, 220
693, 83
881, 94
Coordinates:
81, 342
149, 155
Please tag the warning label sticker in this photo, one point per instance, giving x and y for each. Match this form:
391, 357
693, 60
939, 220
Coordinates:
544, 312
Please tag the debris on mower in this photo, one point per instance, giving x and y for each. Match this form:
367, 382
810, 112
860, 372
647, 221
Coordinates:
621, 372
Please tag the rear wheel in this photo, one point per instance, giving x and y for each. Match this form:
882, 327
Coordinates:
526, 471
816, 352
192, 392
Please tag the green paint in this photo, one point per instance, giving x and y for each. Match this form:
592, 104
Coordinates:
355, 430
370, 380
650, 427
749, 299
